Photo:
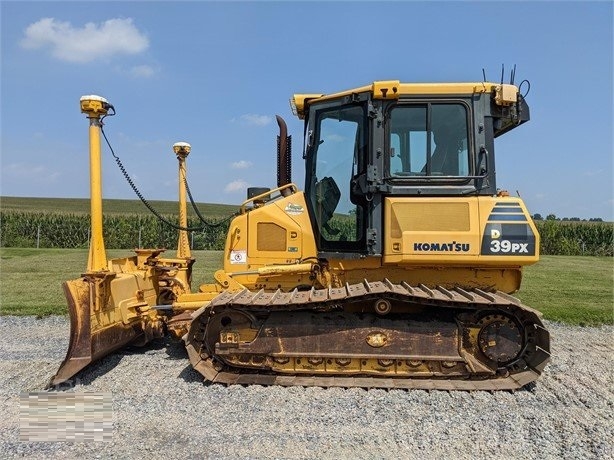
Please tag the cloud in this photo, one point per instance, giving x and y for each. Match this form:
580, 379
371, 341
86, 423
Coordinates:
28, 172
335, 138
142, 71
135, 179
236, 185
85, 44
593, 173
242, 164
253, 119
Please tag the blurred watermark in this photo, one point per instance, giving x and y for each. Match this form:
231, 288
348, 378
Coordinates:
65, 416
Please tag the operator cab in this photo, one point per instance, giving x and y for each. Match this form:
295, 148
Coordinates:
392, 139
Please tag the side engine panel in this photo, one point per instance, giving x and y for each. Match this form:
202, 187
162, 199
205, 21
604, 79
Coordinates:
477, 231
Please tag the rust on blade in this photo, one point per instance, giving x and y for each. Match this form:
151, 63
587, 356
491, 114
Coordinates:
87, 345
97, 325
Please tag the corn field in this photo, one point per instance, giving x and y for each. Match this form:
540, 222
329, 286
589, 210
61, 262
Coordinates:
576, 238
59, 230
63, 230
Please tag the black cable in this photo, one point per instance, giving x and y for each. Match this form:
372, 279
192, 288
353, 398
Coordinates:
528, 87
148, 205
138, 193
202, 219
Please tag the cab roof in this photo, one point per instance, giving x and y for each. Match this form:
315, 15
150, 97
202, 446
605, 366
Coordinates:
392, 89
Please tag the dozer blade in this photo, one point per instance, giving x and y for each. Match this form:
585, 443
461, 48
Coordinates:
98, 323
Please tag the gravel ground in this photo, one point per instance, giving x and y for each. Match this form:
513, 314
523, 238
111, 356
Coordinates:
162, 409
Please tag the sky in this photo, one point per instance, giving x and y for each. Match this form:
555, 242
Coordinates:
215, 74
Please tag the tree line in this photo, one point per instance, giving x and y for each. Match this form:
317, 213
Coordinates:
539, 217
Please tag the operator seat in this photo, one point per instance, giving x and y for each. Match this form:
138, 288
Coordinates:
327, 199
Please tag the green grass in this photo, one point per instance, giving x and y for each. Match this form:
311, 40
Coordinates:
573, 290
31, 279
82, 206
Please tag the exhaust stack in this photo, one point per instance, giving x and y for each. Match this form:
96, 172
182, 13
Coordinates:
284, 156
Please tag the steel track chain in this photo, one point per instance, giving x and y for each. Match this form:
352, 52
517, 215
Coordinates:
533, 359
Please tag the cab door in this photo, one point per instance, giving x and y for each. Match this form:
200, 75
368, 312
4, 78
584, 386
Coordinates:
336, 157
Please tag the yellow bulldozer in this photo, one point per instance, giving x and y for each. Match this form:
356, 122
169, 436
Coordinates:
393, 268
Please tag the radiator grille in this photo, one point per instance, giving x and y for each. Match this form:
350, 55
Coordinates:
270, 237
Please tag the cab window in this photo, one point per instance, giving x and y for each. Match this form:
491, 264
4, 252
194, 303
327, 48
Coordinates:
428, 140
